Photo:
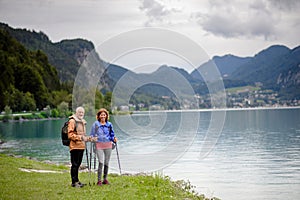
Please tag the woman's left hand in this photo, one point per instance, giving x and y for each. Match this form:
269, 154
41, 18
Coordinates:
115, 140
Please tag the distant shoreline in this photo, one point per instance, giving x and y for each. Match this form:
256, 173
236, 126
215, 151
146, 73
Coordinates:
219, 109
159, 111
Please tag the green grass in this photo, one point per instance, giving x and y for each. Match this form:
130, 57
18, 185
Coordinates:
16, 184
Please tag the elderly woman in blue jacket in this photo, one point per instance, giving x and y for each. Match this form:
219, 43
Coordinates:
103, 130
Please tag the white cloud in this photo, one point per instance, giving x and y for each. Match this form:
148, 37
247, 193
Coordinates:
159, 12
154, 8
238, 19
232, 26
260, 19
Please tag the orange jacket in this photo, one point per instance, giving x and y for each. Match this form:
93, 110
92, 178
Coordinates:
75, 135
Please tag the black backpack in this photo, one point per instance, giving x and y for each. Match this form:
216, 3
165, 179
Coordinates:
64, 133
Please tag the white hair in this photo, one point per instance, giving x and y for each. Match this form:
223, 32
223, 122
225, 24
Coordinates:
79, 108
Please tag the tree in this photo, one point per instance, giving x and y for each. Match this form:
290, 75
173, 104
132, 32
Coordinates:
8, 114
19, 101
24, 71
29, 103
29, 80
107, 101
59, 96
99, 100
63, 108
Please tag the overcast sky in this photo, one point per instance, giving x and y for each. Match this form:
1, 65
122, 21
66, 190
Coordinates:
241, 28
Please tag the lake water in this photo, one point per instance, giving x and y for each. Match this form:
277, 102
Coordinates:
255, 154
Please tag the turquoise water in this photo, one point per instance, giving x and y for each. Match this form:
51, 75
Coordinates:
255, 156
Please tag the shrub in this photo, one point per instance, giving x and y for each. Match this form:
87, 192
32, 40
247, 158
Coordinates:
54, 113
44, 114
16, 117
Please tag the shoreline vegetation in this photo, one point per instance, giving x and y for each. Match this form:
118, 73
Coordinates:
27, 116
26, 178
18, 117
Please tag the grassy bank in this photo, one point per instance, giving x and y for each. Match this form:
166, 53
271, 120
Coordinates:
18, 184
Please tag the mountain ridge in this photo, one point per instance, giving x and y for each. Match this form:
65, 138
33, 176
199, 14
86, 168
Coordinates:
276, 67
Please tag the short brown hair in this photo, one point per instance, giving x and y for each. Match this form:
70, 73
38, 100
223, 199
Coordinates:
101, 111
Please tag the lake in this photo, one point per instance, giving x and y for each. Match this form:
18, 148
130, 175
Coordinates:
233, 154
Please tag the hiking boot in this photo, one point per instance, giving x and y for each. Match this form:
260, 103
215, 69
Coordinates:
105, 182
99, 183
77, 185
82, 184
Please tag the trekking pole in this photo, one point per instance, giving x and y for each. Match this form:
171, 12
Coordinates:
94, 164
90, 169
87, 157
118, 159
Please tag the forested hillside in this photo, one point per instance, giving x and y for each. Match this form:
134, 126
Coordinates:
40, 73
275, 68
66, 55
27, 78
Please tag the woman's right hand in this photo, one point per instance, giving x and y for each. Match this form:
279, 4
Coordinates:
93, 139
115, 140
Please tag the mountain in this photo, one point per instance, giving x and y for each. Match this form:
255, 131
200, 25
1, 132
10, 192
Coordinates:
226, 65
164, 77
112, 74
262, 65
66, 55
289, 73
167, 85
276, 68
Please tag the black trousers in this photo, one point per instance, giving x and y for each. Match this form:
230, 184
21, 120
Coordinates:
76, 159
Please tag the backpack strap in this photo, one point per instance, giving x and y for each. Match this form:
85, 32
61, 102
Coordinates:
75, 123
